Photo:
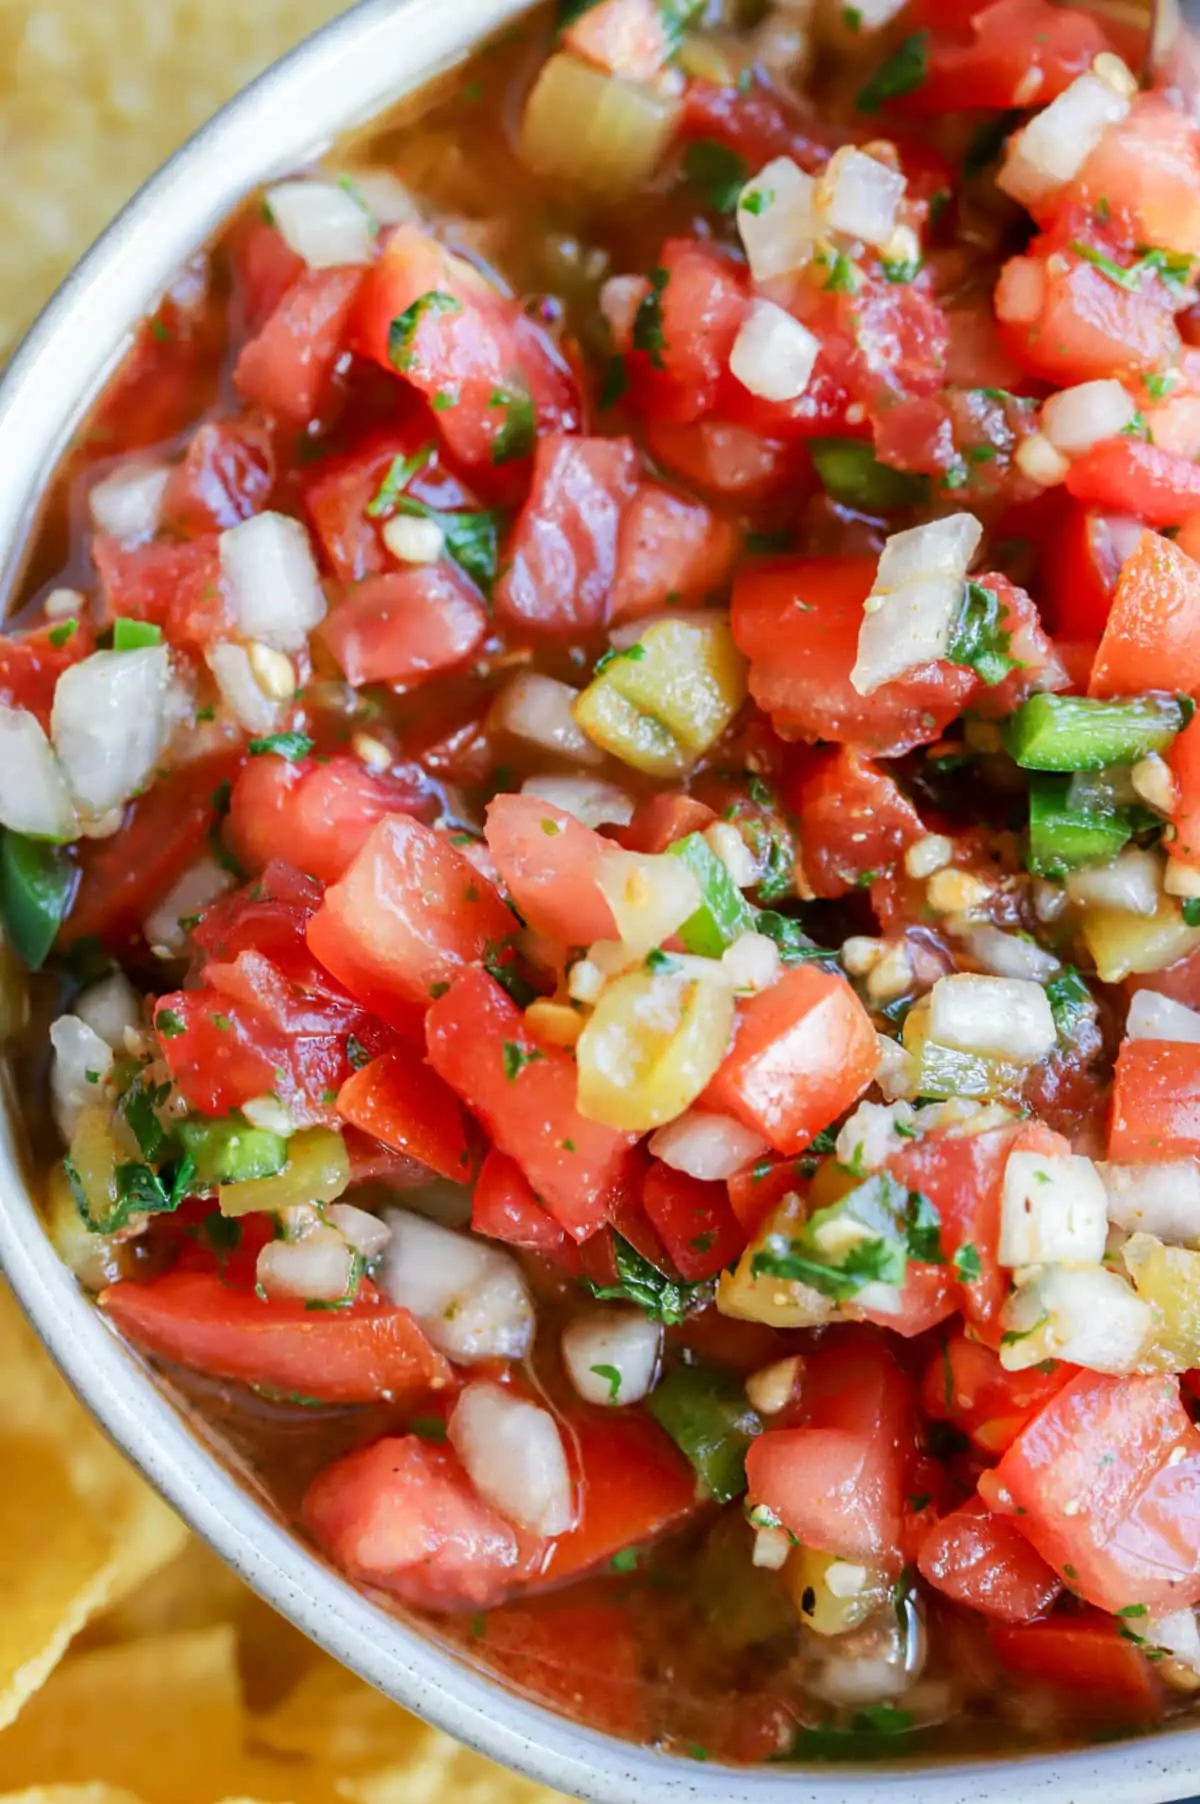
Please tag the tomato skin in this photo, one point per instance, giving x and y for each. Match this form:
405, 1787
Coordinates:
1157, 484
315, 815
1088, 327
408, 914
1086, 1659
176, 587
797, 620
803, 1051
1081, 564
226, 474
549, 862
1152, 638
634, 1486
504, 1207
1093, 1485
531, 1114
1011, 40
264, 268
670, 548
755, 1192
404, 1516
287, 369
985, 1562
662, 819
1155, 1103
399, 1100
366, 1351
338, 490
406, 626
694, 1221
702, 300
722, 458
854, 820
562, 556
965, 1383
1147, 168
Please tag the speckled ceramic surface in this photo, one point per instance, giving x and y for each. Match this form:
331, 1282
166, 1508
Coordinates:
341, 78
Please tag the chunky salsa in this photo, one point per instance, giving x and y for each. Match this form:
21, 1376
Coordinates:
599, 781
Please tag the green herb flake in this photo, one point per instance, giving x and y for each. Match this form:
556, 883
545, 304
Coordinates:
903, 71
612, 1378
720, 173
515, 438
648, 320
1191, 910
967, 1264
662, 1298
292, 746
625, 1560
633, 654
516, 1057
403, 330
356, 1052
169, 1024
59, 635
400, 473
428, 1428
615, 383
978, 640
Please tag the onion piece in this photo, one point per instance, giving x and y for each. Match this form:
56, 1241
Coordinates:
323, 223
1051, 150
385, 197
593, 129
706, 1145
81, 1061
996, 1017
1021, 292
939, 548
362, 1230
777, 219
612, 1355
1178, 1634
128, 503
271, 580
1077, 418
1007, 954
538, 708
1155, 1017
901, 631
470, 1298
109, 1008
317, 1268
34, 796
514, 1456
188, 896
1053, 1210
1163, 1200
1087, 1315
859, 196
595, 803
240, 691
109, 723
869, 1137
1132, 883
773, 355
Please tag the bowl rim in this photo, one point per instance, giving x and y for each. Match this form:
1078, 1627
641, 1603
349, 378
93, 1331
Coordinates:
345, 74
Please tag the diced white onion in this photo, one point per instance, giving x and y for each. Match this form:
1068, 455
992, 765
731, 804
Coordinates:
514, 1456
1077, 418
469, 1297
1019, 299
271, 580
81, 1061
1086, 1315
1178, 1634
240, 691
385, 196
128, 503
1163, 1200
868, 1138
997, 1017
859, 196
1007, 954
414, 541
612, 1355
109, 723
909, 627
939, 548
34, 796
318, 1267
1052, 1210
752, 963
865, 1679
706, 1145
362, 1230
538, 708
1155, 1017
323, 223
589, 799
109, 1007
771, 1549
1056, 143
267, 1112
777, 219
1131, 883
773, 354
650, 894
189, 895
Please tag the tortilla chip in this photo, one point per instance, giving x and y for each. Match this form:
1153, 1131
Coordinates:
70, 1794
195, 1591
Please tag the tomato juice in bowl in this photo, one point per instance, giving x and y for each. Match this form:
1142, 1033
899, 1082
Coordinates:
597, 781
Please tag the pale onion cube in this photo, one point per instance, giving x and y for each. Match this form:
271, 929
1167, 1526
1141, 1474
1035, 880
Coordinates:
612, 1356
777, 219
323, 222
996, 1017
1053, 1210
773, 354
413, 540
1163, 1200
241, 692
1051, 150
904, 629
1084, 1314
109, 1007
1007, 954
364, 1231
940, 548
166, 927
589, 799
81, 1062
538, 708
859, 196
1132, 883
1178, 1634
470, 1298
1077, 418
1155, 1017
869, 1137
650, 895
34, 796
109, 723
271, 580
318, 1267
385, 197
706, 1145
128, 503
752, 963
514, 1456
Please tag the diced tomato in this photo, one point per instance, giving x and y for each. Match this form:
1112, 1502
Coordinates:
176, 587
549, 863
338, 491
524, 1094
554, 1649
758, 123
1155, 1103
928, 1296
1081, 564
626, 37
406, 626
1152, 639
854, 821
1147, 170
1084, 1659
1105, 1482
1188, 536
409, 912
662, 819
634, 1486
839, 1482
315, 815
403, 1515
30, 666
1037, 663
698, 302
226, 475
504, 1207
755, 1192
362, 1353
965, 1383
724, 459
985, 1562
1180, 980
399, 1100
671, 549
803, 1051
798, 622
1086, 326
562, 557
694, 1221
265, 267
287, 369
1184, 759
1023, 53
900, 342
1159, 485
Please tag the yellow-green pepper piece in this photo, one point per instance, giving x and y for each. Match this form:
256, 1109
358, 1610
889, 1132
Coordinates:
653, 1043
662, 703
317, 1171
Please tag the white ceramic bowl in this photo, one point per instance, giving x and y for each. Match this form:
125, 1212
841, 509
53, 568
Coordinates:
340, 78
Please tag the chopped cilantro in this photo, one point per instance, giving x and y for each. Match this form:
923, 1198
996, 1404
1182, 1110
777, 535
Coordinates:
648, 320
66, 629
1191, 910
428, 1428
903, 71
400, 473
472, 539
515, 438
967, 1263
169, 1024
662, 1298
843, 274
403, 330
292, 746
757, 201
356, 1052
612, 1378
632, 653
516, 1057
977, 640
615, 383
1173, 269
720, 173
